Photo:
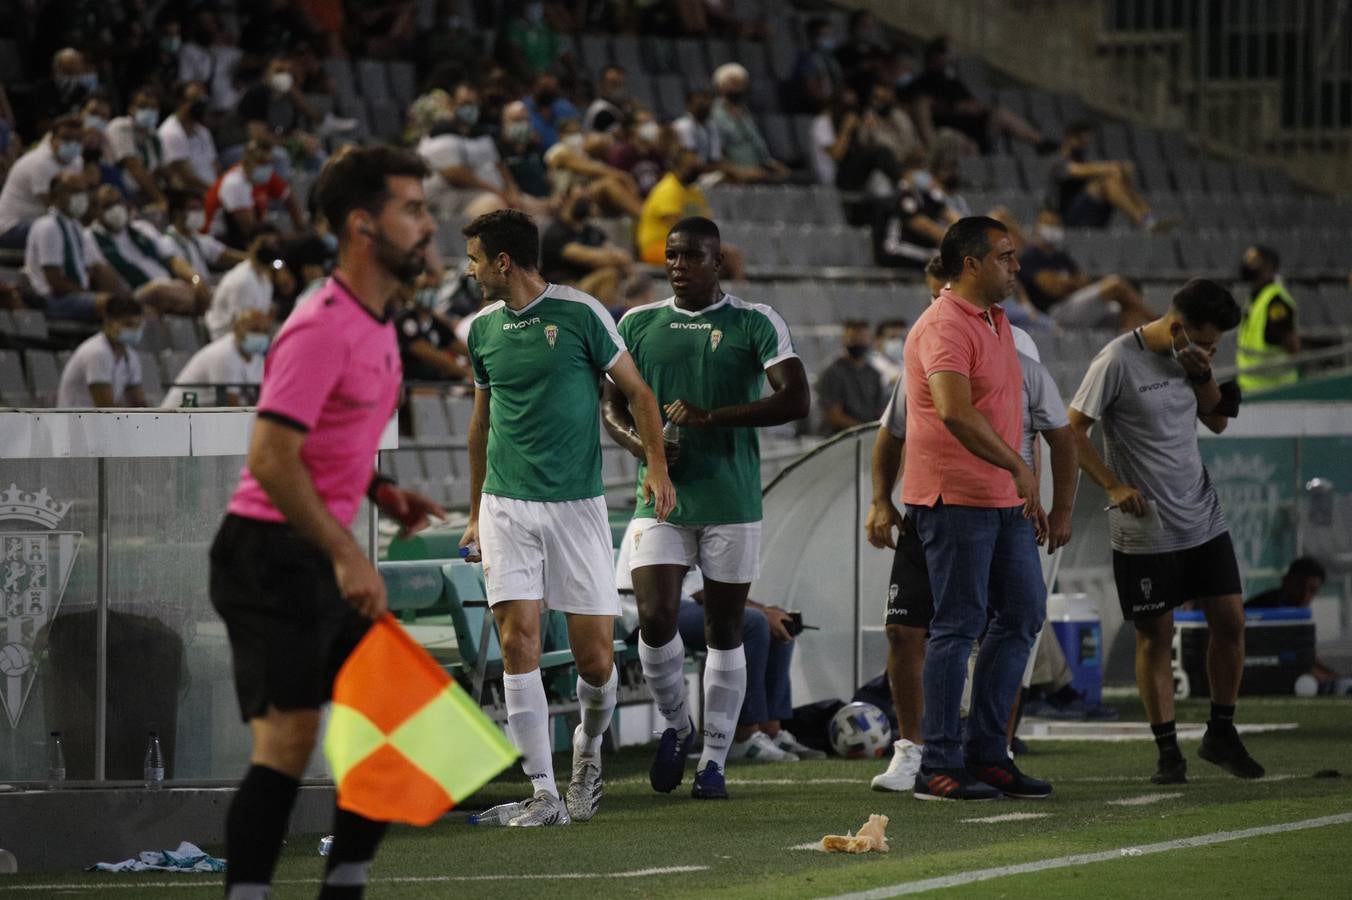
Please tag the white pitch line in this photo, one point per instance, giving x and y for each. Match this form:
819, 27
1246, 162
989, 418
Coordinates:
1007, 817
397, 879
1144, 799
1084, 859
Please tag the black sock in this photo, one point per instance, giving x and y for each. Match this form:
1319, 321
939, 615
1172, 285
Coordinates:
1222, 715
1166, 738
256, 824
355, 839
1065, 696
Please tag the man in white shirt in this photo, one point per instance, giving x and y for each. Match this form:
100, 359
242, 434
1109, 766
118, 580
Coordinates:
190, 158
203, 252
463, 156
231, 361
62, 263
695, 130
105, 371
248, 285
24, 196
136, 148
145, 259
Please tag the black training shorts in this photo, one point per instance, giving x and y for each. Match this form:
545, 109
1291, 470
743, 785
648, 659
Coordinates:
909, 598
290, 629
1151, 584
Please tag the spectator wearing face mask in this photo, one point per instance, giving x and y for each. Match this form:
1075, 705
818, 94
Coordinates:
522, 153
134, 146
613, 108
641, 152
906, 233
850, 391
24, 195
190, 159
238, 202
105, 371
530, 42
203, 252
548, 110
428, 345
61, 262
575, 252
73, 79
147, 261
889, 342
742, 142
234, 362
581, 159
1056, 286
275, 109
817, 76
249, 285
695, 130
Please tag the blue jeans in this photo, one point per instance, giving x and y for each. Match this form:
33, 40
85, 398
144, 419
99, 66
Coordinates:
15, 238
76, 305
977, 558
767, 662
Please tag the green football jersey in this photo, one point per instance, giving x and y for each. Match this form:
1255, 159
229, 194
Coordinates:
542, 366
712, 358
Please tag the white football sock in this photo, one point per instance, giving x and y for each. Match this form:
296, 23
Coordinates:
528, 726
724, 690
598, 703
664, 670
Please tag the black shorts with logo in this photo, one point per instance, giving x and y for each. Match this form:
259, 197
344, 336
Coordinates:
290, 629
1151, 584
910, 601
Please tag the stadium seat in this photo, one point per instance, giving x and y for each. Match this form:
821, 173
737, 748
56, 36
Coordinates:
340, 70
403, 79
719, 51
384, 121
779, 137
372, 79
182, 333
414, 587
437, 464
172, 362
151, 381
468, 604
429, 416
669, 94
30, 323
459, 410
595, 50
13, 386
44, 375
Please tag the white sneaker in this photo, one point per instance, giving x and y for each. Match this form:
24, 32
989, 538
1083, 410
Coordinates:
584, 790
337, 124
789, 744
759, 748
542, 809
901, 772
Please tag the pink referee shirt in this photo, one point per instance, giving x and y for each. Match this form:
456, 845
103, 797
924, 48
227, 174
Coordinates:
954, 335
334, 373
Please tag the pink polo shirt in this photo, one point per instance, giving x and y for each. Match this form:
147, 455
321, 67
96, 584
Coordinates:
334, 373
953, 335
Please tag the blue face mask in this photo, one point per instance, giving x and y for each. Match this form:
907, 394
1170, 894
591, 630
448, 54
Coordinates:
255, 343
146, 118
129, 337
467, 113
89, 80
922, 181
98, 123
427, 298
261, 174
330, 241
171, 44
68, 151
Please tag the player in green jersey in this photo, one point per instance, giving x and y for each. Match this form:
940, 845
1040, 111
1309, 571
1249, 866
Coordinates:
706, 354
537, 510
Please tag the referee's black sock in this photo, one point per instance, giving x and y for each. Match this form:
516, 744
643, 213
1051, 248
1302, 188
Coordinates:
256, 825
1166, 738
355, 839
1222, 716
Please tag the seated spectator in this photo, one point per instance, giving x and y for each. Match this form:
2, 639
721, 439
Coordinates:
1085, 192
889, 342
210, 55
249, 285
530, 43
862, 52
641, 150
579, 158
190, 159
232, 361
548, 110
849, 391
906, 233
462, 153
522, 153
740, 137
61, 262
817, 76
238, 203
428, 345
1056, 286
613, 108
275, 109
154, 61
1300, 585
204, 253
673, 198
946, 102
105, 371
846, 153
147, 261
134, 146
24, 195
73, 79
575, 252
885, 124
695, 130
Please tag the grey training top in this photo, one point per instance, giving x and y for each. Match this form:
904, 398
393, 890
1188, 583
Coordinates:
1149, 415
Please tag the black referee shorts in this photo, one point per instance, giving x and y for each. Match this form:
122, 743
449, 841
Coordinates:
290, 629
910, 601
1152, 584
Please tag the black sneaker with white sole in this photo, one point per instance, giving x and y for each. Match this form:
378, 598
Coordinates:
1006, 778
1221, 746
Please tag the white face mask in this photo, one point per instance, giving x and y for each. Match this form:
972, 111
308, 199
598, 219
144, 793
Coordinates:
281, 82
576, 142
78, 205
115, 217
650, 132
893, 349
1054, 235
146, 118
195, 220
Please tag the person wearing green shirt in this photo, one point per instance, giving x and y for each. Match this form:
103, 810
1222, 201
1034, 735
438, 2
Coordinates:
707, 355
537, 510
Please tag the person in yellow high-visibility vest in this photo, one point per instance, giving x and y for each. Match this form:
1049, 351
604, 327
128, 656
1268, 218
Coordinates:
1268, 333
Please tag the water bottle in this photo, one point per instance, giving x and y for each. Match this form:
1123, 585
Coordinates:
671, 433
154, 768
56, 762
498, 815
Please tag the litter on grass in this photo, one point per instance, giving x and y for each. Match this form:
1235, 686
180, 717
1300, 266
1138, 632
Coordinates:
872, 837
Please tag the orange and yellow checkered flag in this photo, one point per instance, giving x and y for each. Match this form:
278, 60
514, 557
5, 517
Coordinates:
405, 742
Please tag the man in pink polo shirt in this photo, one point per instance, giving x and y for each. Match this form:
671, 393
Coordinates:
974, 503
295, 590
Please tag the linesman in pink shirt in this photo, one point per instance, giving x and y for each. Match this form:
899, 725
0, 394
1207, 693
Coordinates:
974, 503
295, 590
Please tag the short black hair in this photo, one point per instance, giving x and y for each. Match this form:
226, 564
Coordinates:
1307, 567
508, 231
1204, 302
179, 199
969, 236
357, 178
854, 325
886, 324
1079, 127
1269, 254
697, 226
121, 306
935, 268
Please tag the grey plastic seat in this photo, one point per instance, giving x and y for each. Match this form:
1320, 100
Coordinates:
372, 79
152, 383
430, 421
13, 386
403, 78
44, 375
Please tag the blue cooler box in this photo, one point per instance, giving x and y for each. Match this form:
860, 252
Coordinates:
1278, 649
1074, 619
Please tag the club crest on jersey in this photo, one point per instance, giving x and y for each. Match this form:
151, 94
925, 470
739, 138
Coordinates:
715, 337
1146, 587
551, 334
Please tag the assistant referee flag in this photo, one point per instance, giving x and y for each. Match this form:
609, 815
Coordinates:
405, 742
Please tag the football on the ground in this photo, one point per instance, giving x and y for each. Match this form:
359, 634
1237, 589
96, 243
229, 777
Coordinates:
860, 731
